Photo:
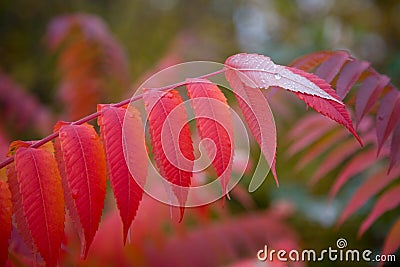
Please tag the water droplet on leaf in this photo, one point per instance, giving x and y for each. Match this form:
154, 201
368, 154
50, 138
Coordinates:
74, 193
277, 76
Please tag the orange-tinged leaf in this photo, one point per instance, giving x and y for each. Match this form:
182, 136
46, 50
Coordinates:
19, 217
5, 221
392, 241
171, 141
42, 200
128, 193
82, 164
258, 116
214, 122
389, 200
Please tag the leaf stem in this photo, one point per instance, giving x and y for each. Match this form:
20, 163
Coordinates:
97, 114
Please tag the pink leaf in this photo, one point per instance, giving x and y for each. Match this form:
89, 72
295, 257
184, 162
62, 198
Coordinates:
389, 200
388, 116
368, 94
304, 140
331, 67
356, 165
395, 147
320, 147
340, 153
260, 72
214, 122
258, 116
349, 75
369, 188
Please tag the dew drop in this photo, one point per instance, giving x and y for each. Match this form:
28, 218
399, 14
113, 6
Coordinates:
93, 136
277, 76
63, 134
74, 193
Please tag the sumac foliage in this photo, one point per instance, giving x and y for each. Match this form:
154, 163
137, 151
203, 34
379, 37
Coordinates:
40, 178
375, 103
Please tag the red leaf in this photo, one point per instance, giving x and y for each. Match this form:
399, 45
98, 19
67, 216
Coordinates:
258, 115
214, 122
42, 200
368, 94
392, 241
5, 221
395, 147
349, 75
327, 107
171, 140
310, 61
388, 116
369, 188
356, 165
389, 200
19, 217
16, 199
82, 164
126, 190
331, 67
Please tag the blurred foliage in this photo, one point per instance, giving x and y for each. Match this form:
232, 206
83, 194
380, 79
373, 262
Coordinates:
150, 31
